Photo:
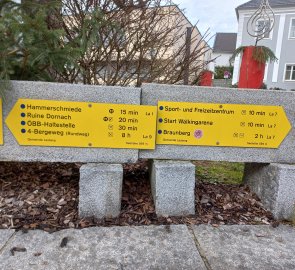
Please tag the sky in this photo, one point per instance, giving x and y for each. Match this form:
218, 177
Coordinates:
218, 15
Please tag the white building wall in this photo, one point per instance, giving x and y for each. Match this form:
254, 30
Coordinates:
237, 62
222, 59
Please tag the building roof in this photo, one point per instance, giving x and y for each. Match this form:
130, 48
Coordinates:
254, 4
225, 42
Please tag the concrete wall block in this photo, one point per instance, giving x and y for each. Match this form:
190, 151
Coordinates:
173, 185
152, 93
100, 190
275, 186
12, 151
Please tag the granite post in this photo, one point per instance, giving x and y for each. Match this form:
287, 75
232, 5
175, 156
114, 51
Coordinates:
275, 186
173, 185
100, 190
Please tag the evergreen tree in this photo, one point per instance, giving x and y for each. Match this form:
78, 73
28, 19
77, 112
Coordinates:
29, 49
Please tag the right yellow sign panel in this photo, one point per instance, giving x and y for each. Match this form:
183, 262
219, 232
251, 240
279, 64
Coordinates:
235, 125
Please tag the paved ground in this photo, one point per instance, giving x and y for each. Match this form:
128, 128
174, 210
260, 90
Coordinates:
150, 247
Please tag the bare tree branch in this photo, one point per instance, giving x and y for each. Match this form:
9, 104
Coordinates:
131, 41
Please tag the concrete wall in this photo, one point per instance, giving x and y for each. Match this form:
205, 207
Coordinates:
222, 83
11, 151
152, 93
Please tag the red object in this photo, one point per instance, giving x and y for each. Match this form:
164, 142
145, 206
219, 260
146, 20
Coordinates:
206, 78
251, 71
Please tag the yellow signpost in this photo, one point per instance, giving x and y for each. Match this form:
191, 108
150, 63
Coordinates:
82, 124
221, 124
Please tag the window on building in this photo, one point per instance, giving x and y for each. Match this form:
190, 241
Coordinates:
292, 28
263, 28
290, 73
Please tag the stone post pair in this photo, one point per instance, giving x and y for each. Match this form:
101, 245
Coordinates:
172, 182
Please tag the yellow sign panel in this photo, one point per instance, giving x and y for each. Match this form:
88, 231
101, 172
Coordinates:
221, 124
82, 124
1, 123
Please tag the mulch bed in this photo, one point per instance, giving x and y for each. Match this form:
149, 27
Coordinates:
45, 196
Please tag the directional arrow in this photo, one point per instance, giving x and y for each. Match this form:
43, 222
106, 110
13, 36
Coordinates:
221, 124
82, 124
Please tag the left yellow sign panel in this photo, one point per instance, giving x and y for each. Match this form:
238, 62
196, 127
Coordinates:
82, 124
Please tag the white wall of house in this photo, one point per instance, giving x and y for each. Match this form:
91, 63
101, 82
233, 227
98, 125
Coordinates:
280, 42
222, 59
237, 62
